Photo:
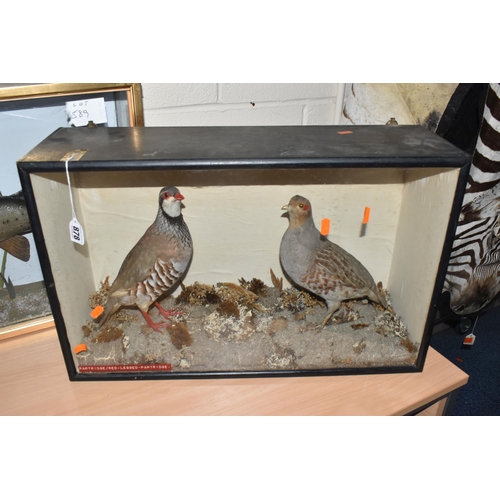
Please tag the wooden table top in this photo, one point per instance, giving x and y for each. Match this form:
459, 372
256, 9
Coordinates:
34, 381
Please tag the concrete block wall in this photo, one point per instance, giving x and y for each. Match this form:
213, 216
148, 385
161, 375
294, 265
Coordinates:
233, 104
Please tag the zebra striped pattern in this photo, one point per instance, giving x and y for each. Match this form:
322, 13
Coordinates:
474, 268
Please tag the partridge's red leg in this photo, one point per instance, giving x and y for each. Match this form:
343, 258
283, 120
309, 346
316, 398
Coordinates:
167, 314
153, 325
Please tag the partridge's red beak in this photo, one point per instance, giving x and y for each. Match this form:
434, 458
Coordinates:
178, 196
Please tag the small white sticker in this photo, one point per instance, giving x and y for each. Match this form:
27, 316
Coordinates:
80, 113
469, 339
76, 232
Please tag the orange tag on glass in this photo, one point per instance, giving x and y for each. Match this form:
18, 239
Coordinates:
80, 348
97, 311
325, 227
366, 215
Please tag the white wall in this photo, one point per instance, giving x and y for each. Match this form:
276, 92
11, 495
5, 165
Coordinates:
212, 104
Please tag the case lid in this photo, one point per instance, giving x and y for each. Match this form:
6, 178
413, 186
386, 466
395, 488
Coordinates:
229, 147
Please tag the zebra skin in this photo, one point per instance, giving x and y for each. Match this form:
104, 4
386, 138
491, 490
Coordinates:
473, 273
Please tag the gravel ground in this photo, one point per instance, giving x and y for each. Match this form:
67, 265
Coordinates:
30, 302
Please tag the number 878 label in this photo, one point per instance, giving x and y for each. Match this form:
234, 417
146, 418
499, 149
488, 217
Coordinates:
76, 232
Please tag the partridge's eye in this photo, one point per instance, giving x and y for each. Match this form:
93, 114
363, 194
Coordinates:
301, 205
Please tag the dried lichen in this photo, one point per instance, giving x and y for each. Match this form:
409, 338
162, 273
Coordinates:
198, 294
282, 358
100, 297
383, 292
346, 314
409, 345
125, 342
184, 364
236, 293
296, 301
359, 326
255, 286
123, 316
389, 323
219, 326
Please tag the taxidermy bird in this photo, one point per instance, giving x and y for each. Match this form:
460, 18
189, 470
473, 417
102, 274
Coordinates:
320, 266
156, 263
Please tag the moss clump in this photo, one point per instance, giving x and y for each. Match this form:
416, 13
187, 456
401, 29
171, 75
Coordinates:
179, 335
255, 286
100, 297
228, 308
198, 294
109, 334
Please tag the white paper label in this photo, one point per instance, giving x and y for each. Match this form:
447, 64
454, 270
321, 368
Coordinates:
469, 339
80, 113
76, 232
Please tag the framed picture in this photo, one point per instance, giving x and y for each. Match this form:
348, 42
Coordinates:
28, 114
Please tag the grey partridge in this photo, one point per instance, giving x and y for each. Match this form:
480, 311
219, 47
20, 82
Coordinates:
319, 265
156, 263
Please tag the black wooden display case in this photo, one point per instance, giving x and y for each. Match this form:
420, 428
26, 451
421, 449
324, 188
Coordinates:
235, 181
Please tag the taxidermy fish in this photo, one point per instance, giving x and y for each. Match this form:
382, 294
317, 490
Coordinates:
9, 286
14, 222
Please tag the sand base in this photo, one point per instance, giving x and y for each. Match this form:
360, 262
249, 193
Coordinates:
228, 328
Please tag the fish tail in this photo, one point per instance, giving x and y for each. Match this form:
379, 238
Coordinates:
18, 246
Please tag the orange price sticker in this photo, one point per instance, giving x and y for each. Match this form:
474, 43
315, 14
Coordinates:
97, 311
80, 348
325, 227
366, 215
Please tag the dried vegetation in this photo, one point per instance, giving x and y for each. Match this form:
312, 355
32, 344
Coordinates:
251, 326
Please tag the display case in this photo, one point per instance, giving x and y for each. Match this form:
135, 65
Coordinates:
391, 195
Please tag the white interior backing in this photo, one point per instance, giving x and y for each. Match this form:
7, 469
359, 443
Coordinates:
236, 224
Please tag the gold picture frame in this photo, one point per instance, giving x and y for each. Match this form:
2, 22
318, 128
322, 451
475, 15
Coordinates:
44, 90
34, 92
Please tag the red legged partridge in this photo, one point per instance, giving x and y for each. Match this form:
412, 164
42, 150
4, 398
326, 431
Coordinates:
156, 263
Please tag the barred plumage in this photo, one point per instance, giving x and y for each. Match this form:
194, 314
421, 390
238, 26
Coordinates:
474, 268
161, 279
319, 265
156, 263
